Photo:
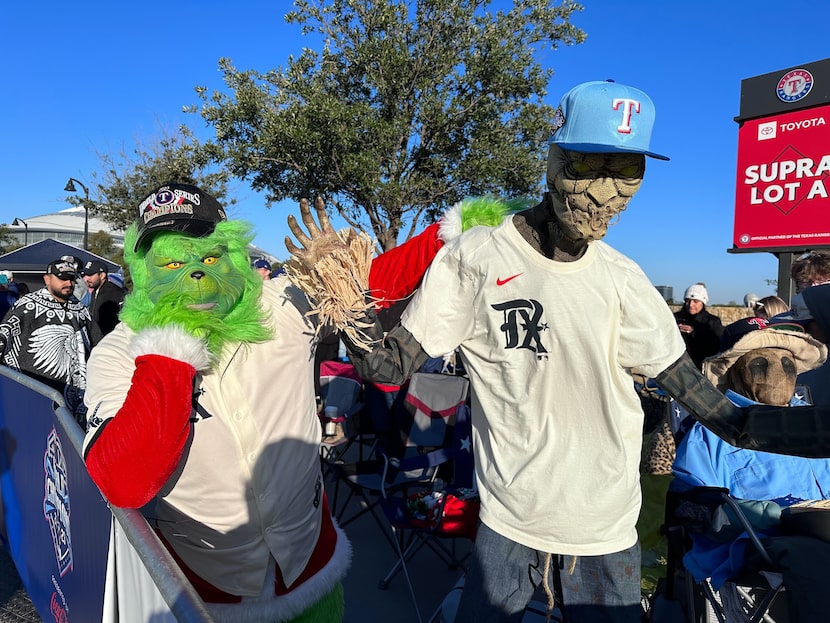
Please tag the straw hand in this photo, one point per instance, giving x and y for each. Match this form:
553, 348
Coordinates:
319, 242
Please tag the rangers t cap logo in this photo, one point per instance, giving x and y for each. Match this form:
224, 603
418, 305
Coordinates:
605, 117
178, 207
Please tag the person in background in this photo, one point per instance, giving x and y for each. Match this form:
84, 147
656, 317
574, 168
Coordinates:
700, 329
9, 292
763, 483
811, 269
81, 291
46, 336
105, 301
263, 267
811, 308
770, 306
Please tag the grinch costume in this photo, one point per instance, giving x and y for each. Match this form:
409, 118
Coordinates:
202, 399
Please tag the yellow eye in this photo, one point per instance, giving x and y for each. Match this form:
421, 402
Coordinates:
579, 166
630, 171
174, 265
210, 261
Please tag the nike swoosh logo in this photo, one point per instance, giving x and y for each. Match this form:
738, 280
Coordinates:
501, 282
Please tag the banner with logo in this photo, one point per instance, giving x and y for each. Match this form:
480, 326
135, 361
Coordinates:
782, 198
56, 521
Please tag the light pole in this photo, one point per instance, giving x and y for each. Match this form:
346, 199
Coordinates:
70, 188
17, 222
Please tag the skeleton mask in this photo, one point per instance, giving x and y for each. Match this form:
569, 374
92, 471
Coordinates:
590, 189
765, 375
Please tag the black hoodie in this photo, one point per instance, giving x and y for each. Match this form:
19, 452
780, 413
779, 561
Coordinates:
817, 299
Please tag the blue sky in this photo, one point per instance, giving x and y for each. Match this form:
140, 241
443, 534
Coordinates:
94, 76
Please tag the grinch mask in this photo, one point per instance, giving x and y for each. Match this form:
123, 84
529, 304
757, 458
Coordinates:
198, 278
206, 285
589, 189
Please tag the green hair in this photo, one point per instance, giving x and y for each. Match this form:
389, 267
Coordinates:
245, 322
489, 210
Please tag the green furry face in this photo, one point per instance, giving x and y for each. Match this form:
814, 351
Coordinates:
205, 285
202, 279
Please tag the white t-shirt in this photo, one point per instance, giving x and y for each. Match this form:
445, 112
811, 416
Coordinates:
548, 347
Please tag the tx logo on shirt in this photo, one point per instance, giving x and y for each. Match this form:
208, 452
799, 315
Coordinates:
521, 324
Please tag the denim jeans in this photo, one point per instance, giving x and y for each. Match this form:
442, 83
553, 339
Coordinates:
504, 575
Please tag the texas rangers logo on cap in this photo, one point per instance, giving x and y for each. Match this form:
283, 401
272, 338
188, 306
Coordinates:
605, 117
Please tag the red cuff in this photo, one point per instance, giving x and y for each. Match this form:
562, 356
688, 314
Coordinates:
139, 448
394, 275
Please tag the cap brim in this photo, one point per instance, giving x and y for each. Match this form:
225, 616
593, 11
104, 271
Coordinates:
67, 276
593, 148
193, 227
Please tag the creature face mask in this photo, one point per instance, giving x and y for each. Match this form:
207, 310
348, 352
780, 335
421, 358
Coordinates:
201, 279
765, 375
589, 190
205, 285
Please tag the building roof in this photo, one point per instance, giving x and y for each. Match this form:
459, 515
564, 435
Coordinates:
33, 258
66, 226
70, 220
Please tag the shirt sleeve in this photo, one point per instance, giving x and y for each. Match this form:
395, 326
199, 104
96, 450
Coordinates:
441, 314
650, 341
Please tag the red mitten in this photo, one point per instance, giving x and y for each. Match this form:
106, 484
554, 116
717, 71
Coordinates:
136, 451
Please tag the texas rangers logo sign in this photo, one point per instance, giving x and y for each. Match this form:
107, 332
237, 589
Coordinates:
794, 85
56, 501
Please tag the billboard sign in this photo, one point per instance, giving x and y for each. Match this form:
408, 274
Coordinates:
783, 181
782, 190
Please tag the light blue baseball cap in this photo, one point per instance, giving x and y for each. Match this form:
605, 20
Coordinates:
605, 117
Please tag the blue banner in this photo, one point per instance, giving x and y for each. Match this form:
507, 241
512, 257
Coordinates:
56, 521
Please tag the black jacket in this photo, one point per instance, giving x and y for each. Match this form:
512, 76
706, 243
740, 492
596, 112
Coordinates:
704, 340
104, 308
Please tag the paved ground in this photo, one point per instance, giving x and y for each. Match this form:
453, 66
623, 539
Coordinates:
365, 601
15, 605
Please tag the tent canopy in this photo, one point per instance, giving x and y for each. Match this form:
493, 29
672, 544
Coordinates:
32, 259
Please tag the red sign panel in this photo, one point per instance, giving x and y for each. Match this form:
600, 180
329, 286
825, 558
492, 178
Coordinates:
783, 184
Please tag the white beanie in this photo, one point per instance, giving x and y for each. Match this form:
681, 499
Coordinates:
697, 292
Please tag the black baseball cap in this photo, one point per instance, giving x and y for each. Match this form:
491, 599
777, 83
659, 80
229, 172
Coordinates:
178, 207
62, 270
92, 267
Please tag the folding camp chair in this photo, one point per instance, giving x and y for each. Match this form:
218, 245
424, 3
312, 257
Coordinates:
427, 456
341, 390
751, 596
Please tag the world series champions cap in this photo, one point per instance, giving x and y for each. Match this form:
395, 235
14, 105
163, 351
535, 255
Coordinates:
62, 270
605, 117
178, 207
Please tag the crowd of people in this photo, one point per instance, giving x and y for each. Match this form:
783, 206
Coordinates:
49, 333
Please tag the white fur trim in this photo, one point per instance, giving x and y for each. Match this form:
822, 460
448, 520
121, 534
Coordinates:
171, 341
270, 608
450, 226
